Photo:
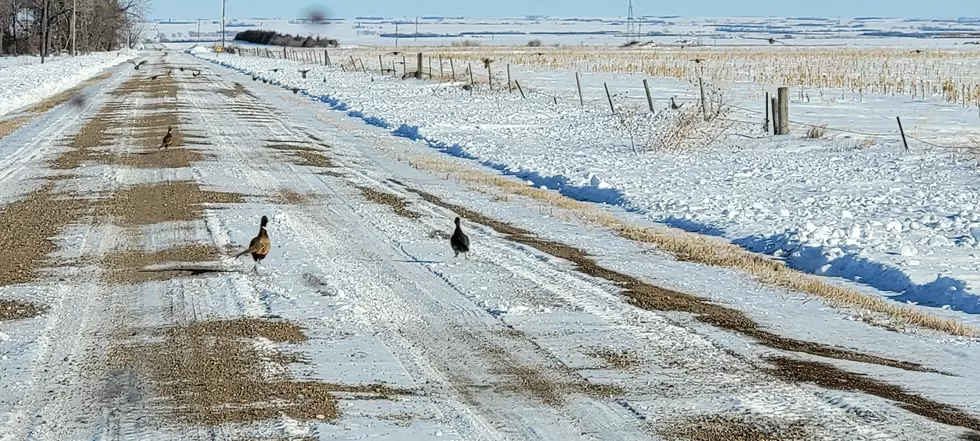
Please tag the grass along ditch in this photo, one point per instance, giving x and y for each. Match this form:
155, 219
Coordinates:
690, 247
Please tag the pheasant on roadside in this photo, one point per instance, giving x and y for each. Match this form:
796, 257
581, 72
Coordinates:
459, 241
137, 65
259, 246
167, 139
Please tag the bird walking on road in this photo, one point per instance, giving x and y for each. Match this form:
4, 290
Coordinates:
459, 241
259, 246
196, 73
137, 65
167, 139
674, 105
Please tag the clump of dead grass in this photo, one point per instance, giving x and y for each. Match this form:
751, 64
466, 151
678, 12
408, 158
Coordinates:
817, 132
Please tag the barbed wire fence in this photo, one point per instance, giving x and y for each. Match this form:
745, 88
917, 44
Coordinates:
490, 83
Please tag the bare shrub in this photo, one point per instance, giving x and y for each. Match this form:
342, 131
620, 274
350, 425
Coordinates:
535, 43
817, 132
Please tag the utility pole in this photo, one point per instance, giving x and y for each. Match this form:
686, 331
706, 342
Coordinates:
199, 29
396, 34
74, 28
416, 28
223, 25
44, 31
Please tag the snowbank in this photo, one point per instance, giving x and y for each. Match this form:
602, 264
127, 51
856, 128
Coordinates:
26, 84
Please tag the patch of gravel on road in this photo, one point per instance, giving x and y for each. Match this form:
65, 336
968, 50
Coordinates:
305, 156
217, 372
27, 232
170, 201
290, 197
131, 267
617, 359
396, 203
12, 310
832, 377
716, 427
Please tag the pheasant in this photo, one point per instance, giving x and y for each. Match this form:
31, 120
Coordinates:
259, 246
303, 72
137, 65
168, 138
295, 90
459, 241
196, 73
674, 105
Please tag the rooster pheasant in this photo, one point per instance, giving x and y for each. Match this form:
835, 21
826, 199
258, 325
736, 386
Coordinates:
259, 246
459, 241
167, 139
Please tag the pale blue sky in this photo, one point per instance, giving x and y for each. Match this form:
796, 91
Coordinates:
187, 9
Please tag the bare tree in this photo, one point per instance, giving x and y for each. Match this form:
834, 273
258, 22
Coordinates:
38, 26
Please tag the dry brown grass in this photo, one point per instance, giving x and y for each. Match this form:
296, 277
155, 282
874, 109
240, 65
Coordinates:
212, 373
691, 247
11, 125
816, 132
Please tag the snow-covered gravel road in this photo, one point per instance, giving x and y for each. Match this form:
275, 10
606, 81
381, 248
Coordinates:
361, 324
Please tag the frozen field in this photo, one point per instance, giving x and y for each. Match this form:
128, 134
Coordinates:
583, 311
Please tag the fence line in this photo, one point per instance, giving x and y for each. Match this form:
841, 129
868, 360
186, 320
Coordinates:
303, 58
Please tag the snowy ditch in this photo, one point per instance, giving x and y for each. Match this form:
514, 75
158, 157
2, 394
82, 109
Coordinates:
22, 85
908, 224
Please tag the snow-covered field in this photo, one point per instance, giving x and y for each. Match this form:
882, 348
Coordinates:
445, 31
513, 342
24, 80
541, 333
851, 205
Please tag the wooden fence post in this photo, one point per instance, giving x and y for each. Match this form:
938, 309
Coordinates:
783, 93
766, 115
519, 89
404, 66
451, 66
326, 56
646, 87
418, 73
509, 87
440, 68
905, 142
704, 101
381, 65
578, 85
774, 105
609, 97
472, 83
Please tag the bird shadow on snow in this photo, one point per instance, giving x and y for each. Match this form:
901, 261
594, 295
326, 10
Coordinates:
418, 261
